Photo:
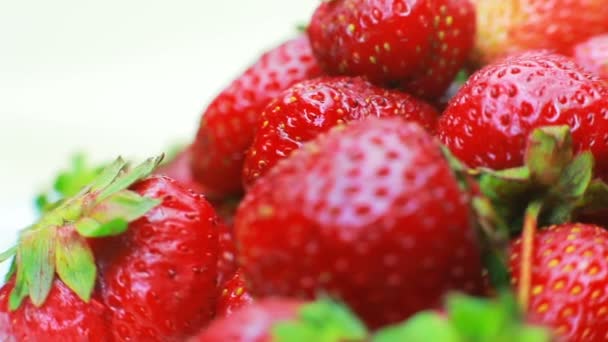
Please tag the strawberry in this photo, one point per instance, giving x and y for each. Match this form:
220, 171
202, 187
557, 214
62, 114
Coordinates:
416, 45
488, 121
286, 320
226, 261
359, 214
149, 246
63, 317
511, 26
568, 280
226, 128
233, 295
311, 107
593, 55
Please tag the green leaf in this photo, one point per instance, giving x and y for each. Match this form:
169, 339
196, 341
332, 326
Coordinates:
423, 327
126, 205
576, 177
75, 264
548, 152
90, 228
322, 321
71, 182
595, 198
11, 271
108, 175
37, 249
127, 179
9, 253
20, 290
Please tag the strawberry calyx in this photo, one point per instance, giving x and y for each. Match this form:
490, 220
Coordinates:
57, 243
561, 181
322, 320
468, 319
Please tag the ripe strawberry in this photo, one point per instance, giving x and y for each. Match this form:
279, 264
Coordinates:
63, 317
233, 295
416, 45
568, 288
510, 26
311, 107
488, 121
286, 320
226, 261
153, 242
370, 213
226, 128
593, 55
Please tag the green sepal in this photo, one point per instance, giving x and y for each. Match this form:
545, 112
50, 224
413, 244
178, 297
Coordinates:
12, 269
102, 208
37, 251
548, 152
126, 179
9, 253
75, 264
324, 321
468, 319
423, 327
90, 228
552, 174
126, 205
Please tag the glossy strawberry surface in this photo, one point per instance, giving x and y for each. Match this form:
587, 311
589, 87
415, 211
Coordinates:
488, 121
63, 317
511, 26
413, 44
593, 55
569, 284
312, 107
252, 323
159, 278
358, 214
233, 295
227, 125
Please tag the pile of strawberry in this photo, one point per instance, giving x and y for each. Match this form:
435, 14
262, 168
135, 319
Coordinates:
354, 184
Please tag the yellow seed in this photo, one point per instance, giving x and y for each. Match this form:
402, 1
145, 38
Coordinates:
537, 289
567, 312
562, 330
542, 308
449, 20
570, 249
373, 60
593, 270
239, 291
266, 211
387, 46
553, 262
559, 285
596, 294
602, 311
441, 35
576, 290
351, 28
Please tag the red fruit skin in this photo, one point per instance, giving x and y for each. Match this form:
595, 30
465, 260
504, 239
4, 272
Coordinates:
63, 317
593, 55
312, 107
233, 295
159, 278
487, 123
227, 257
513, 26
416, 45
227, 125
569, 280
370, 214
251, 323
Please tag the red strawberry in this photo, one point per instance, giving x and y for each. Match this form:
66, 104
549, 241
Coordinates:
311, 107
488, 121
370, 213
233, 295
226, 261
510, 26
416, 45
593, 55
569, 287
226, 128
286, 320
64, 317
154, 243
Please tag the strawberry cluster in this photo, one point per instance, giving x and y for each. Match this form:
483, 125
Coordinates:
405, 170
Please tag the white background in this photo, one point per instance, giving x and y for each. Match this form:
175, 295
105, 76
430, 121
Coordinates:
115, 77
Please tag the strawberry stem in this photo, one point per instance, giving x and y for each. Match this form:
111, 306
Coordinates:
525, 272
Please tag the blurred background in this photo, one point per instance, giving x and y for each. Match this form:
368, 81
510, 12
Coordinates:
115, 77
